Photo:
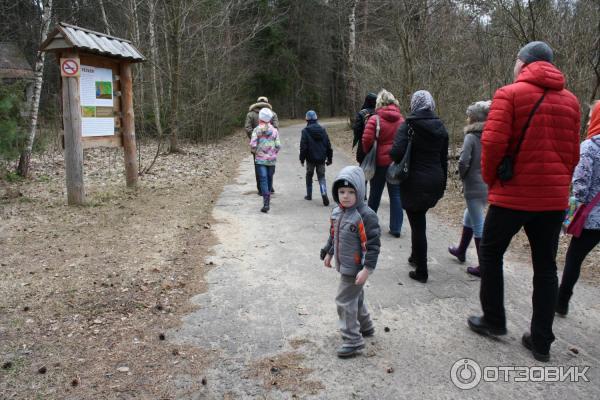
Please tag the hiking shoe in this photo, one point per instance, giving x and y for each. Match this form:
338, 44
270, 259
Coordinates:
412, 262
479, 325
528, 343
562, 308
325, 200
346, 352
368, 332
418, 277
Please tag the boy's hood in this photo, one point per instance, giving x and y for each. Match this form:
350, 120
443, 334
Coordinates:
314, 130
356, 177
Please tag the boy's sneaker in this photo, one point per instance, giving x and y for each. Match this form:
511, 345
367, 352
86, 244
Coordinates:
325, 200
345, 352
368, 332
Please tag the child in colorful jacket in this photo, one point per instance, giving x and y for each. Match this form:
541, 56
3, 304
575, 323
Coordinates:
354, 242
265, 145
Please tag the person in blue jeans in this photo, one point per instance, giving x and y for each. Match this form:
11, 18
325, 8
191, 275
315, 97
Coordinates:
265, 144
382, 127
474, 188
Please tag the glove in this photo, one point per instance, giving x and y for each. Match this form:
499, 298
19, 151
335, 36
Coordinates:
323, 254
328, 162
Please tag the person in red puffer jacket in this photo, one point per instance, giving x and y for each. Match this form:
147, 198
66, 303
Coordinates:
536, 196
387, 111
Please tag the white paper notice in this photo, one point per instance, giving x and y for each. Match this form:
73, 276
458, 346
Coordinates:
96, 94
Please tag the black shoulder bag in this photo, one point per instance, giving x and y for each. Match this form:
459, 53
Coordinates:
397, 173
505, 170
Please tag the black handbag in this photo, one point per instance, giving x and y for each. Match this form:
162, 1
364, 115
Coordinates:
505, 170
397, 173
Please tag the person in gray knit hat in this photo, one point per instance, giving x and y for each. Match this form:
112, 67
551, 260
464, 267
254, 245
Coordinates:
536, 51
532, 133
474, 188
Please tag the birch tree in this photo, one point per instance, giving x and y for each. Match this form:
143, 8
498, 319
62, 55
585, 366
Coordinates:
45, 7
352, 95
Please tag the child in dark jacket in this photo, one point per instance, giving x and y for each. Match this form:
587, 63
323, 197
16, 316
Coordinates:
315, 149
354, 242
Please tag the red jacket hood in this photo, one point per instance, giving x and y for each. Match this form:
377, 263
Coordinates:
390, 113
542, 74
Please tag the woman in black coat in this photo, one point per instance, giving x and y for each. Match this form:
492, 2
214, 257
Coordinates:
426, 182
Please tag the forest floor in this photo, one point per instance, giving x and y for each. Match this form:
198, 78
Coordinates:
94, 296
89, 292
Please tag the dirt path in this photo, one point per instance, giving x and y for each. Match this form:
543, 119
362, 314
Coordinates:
269, 317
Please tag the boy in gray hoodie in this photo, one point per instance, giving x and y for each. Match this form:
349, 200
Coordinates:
354, 242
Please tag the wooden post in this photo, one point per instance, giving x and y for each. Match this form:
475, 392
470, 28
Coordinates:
73, 147
131, 167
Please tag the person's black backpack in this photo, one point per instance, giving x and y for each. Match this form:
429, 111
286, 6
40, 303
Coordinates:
358, 128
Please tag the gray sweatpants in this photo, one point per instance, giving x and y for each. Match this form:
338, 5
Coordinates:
352, 310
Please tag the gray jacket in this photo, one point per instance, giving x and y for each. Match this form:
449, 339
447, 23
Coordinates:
252, 117
354, 237
469, 163
586, 179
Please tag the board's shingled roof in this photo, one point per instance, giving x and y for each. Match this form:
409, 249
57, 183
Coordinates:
70, 36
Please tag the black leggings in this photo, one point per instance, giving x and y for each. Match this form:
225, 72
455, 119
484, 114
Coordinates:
579, 248
418, 236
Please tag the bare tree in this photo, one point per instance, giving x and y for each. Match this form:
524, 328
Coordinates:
154, 79
45, 7
352, 86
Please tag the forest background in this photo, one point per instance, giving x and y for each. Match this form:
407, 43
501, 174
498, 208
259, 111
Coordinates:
209, 59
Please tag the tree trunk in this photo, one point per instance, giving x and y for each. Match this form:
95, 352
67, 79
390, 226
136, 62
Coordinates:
153, 62
104, 19
351, 103
175, 34
23, 167
138, 77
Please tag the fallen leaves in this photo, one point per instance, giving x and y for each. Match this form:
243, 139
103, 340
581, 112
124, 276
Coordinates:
120, 262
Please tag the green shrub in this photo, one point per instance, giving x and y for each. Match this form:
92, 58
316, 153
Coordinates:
12, 132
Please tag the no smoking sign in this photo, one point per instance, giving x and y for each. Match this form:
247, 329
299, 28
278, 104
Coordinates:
69, 67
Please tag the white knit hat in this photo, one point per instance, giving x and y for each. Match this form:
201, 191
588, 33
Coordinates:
265, 114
